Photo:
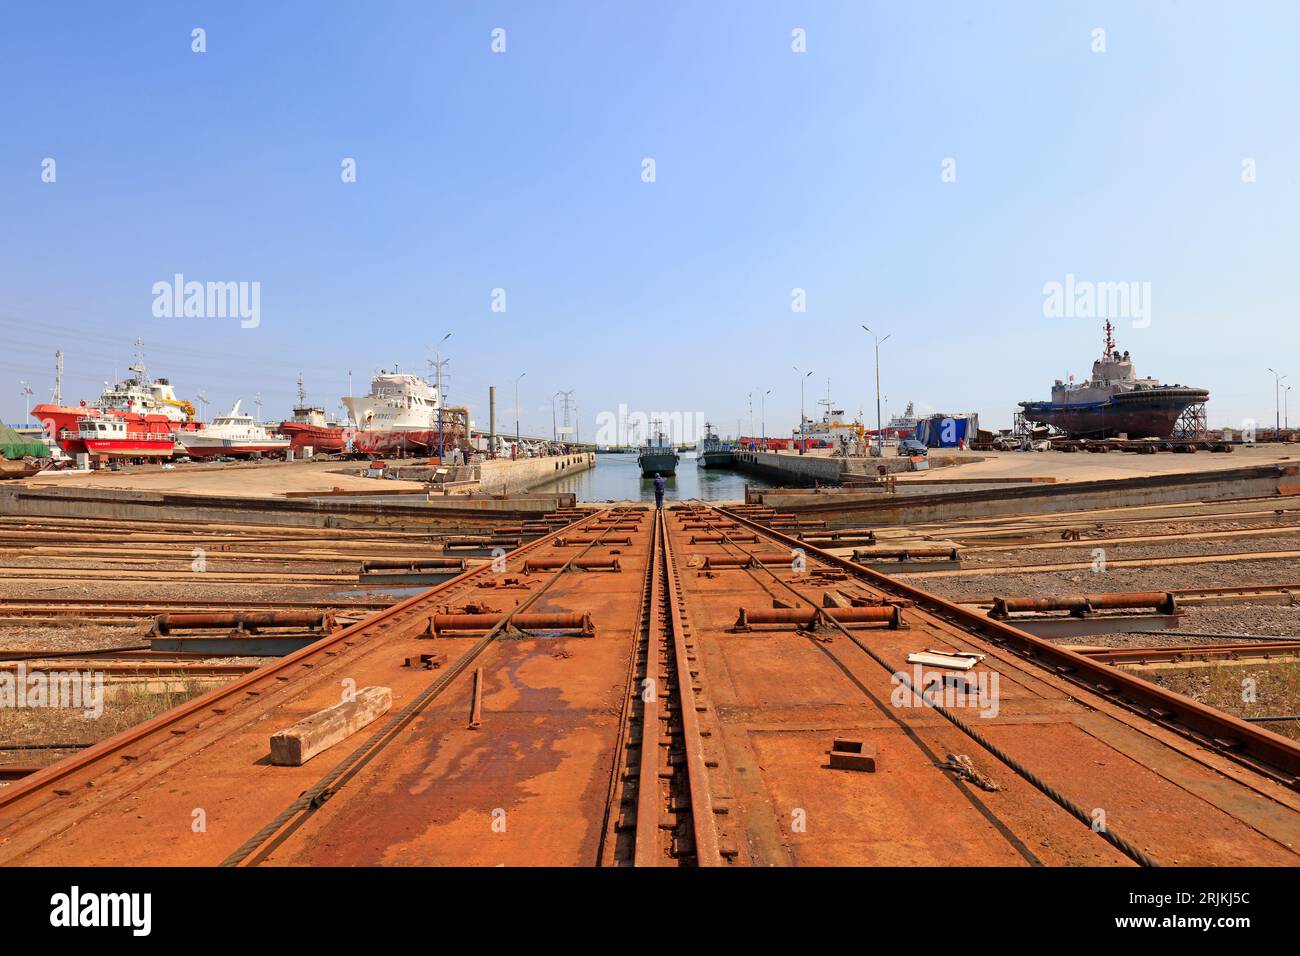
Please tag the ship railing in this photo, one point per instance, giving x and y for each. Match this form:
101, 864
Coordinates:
130, 436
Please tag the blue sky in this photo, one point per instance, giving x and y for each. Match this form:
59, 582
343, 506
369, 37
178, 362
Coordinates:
775, 170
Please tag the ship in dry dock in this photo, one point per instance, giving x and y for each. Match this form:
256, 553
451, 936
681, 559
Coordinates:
404, 414
309, 428
1114, 401
147, 407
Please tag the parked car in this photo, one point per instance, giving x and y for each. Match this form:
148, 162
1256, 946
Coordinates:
910, 446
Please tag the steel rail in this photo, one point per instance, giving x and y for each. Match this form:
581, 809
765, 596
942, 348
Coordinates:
1065, 803
648, 850
205, 703
294, 815
606, 851
707, 850
1262, 750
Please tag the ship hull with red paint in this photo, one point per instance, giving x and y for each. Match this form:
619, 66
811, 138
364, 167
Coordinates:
221, 449
416, 442
133, 447
322, 439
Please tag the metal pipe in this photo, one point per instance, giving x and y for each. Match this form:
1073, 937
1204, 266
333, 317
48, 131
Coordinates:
244, 620
540, 621
882, 614
586, 564
950, 554
1082, 604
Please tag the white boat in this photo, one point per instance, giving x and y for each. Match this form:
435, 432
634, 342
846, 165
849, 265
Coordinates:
232, 435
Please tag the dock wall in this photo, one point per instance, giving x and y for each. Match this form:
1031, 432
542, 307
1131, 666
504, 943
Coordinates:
883, 510
502, 476
385, 512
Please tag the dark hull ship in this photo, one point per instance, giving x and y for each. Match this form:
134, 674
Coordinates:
1115, 402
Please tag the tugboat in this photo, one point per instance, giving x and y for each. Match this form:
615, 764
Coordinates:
657, 456
714, 452
1115, 401
309, 429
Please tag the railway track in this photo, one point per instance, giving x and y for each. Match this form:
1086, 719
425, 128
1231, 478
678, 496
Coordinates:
229, 726
694, 711
665, 800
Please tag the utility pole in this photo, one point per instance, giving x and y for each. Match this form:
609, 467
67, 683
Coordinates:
437, 360
1277, 403
27, 397
751, 416
567, 405
880, 438
803, 431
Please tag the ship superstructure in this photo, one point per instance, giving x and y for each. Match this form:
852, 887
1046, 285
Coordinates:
713, 452
398, 401
657, 455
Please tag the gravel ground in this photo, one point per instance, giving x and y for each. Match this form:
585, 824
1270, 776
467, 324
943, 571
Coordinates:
47, 725
1093, 529
1154, 578
1276, 690
1172, 548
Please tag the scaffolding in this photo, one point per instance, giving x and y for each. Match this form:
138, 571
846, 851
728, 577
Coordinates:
1192, 423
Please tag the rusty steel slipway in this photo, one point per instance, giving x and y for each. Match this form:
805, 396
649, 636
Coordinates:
693, 687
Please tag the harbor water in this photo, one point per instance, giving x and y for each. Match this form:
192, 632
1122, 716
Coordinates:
616, 477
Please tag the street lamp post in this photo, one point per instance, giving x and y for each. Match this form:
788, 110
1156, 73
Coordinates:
1286, 408
880, 438
751, 417
521, 375
1277, 403
763, 417
803, 431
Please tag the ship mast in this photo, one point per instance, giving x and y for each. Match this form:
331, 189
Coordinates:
1110, 340
138, 367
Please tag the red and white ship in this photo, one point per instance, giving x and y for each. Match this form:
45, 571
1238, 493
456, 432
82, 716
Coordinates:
148, 406
113, 437
401, 416
233, 435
